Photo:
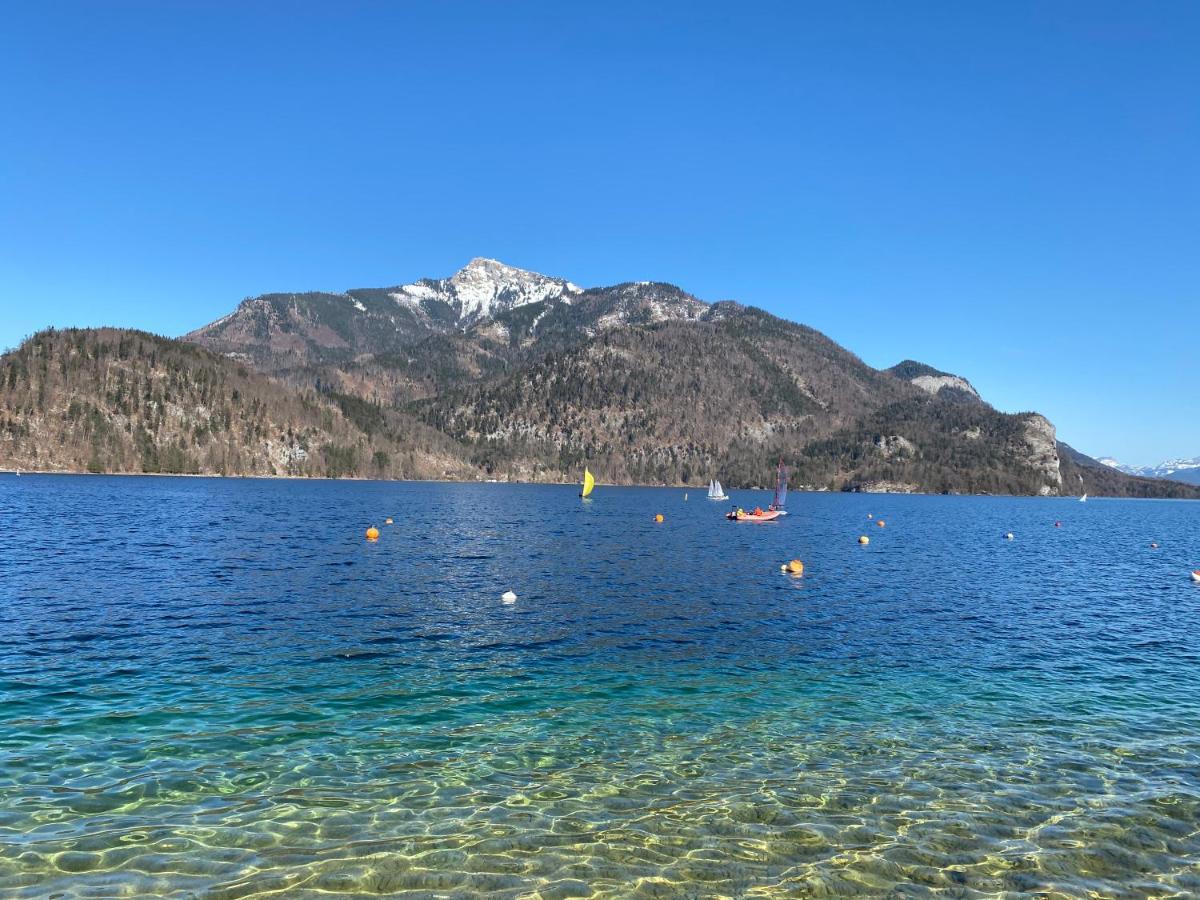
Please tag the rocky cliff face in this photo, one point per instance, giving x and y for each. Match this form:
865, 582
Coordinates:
935, 382
1040, 437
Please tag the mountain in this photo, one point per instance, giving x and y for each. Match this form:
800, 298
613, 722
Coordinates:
531, 376
111, 400
280, 331
727, 392
402, 343
1185, 470
502, 372
1083, 474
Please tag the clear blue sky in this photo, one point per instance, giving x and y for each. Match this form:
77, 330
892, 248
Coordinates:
1010, 191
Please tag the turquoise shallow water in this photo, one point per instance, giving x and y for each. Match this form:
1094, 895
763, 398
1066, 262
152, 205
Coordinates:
217, 688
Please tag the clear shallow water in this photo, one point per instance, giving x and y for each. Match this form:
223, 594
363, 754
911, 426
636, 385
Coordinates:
219, 689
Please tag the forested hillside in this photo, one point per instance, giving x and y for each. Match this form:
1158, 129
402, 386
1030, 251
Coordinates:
110, 400
636, 405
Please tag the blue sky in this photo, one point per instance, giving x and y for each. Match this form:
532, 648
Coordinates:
1009, 191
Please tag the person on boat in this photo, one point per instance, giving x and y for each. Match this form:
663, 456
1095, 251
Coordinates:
758, 510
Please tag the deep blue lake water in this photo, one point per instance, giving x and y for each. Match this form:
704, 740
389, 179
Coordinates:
218, 688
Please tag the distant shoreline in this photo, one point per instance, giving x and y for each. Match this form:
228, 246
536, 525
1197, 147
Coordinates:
306, 478
679, 487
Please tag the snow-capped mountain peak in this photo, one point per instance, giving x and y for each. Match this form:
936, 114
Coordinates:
484, 287
1176, 469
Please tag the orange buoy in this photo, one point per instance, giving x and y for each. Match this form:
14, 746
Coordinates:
795, 567
881, 523
1196, 575
863, 539
372, 533
658, 518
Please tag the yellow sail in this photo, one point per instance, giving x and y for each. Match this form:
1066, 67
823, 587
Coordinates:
588, 482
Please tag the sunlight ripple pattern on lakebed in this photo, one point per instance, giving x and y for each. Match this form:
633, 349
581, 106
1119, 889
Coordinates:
218, 688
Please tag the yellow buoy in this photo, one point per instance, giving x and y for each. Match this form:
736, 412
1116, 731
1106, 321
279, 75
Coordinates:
658, 518
372, 533
795, 567
387, 521
863, 539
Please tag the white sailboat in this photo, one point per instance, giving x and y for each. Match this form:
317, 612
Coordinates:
715, 491
1083, 498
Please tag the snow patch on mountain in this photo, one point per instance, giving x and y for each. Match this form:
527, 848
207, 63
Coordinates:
1168, 469
484, 288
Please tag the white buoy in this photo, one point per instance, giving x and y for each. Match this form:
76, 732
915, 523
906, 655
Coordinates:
508, 597
1009, 536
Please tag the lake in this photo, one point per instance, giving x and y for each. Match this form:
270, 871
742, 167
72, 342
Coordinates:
218, 688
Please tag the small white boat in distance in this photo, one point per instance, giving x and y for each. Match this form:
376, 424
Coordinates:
1083, 499
715, 491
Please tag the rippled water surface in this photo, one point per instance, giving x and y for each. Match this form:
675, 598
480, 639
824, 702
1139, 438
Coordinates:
217, 688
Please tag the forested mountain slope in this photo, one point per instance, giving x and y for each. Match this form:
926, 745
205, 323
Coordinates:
501, 372
111, 400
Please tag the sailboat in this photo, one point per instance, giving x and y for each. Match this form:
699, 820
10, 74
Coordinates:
588, 483
715, 491
1083, 498
781, 481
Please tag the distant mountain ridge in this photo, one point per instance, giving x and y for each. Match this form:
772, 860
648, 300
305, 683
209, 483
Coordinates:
1185, 470
501, 304
505, 373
